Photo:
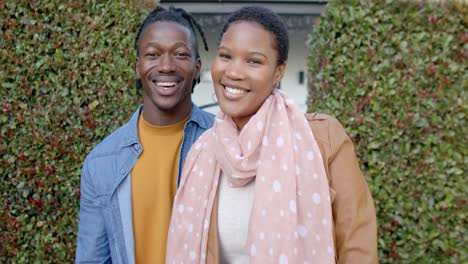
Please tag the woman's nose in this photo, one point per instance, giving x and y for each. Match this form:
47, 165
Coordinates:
234, 71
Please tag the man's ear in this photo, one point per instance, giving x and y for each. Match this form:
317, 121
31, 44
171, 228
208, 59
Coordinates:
137, 66
279, 72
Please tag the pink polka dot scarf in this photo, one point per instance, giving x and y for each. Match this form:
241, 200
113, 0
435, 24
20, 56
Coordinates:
291, 219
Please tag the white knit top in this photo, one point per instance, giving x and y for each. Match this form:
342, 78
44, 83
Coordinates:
234, 207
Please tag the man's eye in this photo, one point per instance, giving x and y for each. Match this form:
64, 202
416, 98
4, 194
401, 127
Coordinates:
224, 56
182, 54
151, 54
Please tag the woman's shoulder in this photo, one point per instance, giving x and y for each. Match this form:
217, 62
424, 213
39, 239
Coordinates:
328, 132
320, 117
325, 126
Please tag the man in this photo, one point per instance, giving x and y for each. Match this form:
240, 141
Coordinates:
129, 180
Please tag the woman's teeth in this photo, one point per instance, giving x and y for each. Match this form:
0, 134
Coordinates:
234, 90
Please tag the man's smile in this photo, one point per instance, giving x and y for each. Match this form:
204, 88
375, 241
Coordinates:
166, 84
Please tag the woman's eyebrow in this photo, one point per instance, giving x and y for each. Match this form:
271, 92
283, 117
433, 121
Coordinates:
258, 53
224, 48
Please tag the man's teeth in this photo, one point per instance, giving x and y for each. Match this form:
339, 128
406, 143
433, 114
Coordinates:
234, 90
166, 84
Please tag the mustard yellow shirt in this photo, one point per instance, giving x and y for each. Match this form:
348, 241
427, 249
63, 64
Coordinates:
154, 179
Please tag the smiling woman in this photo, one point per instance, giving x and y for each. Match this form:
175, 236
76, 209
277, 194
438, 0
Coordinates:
245, 75
269, 184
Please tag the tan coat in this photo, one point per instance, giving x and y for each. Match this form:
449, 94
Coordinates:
355, 224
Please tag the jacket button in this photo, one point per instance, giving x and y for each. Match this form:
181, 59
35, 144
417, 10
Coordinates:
122, 171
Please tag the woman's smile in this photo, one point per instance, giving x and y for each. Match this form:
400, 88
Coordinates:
232, 92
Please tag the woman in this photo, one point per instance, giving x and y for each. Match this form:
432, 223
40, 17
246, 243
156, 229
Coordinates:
268, 184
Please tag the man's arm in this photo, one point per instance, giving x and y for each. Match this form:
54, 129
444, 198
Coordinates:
93, 244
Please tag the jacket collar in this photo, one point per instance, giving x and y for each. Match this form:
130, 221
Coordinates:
130, 137
200, 117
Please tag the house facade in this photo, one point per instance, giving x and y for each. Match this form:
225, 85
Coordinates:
299, 17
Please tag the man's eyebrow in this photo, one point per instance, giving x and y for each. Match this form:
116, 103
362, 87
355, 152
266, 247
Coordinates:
157, 43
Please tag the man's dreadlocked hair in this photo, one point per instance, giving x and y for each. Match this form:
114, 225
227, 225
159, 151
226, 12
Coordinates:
177, 15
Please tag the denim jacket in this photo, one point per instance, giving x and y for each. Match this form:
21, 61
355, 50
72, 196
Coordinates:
105, 231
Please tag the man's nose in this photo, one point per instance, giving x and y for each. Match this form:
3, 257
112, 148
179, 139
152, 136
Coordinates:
166, 64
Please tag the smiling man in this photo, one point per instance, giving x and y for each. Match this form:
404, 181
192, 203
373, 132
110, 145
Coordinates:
129, 180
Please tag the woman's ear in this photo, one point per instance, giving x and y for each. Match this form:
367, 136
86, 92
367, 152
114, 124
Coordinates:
279, 72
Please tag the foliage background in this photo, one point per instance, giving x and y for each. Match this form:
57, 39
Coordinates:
394, 73
67, 81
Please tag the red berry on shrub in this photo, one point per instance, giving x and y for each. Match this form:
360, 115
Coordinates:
91, 124
433, 19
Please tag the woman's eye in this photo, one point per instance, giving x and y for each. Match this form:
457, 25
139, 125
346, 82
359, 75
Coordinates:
252, 61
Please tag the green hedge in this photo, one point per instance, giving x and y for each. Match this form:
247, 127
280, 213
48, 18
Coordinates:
395, 73
392, 73
67, 81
